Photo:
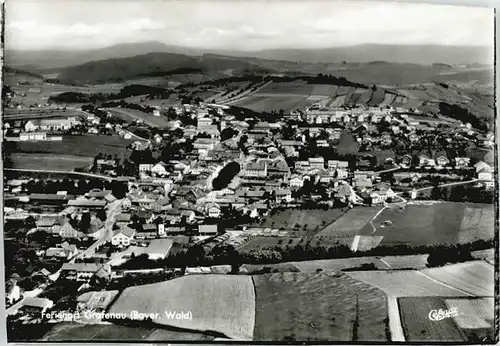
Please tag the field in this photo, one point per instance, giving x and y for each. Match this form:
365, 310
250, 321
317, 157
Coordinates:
337, 264
220, 303
407, 283
317, 307
478, 223
295, 87
95, 332
259, 243
89, 145
350, 223
487, 255
310, 219
476, 278
405, 262
133, 114
441, 223
269, 103
42, 113
418, 327
55, 162
474, 313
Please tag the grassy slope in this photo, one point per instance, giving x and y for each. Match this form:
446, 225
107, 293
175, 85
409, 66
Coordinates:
323, 308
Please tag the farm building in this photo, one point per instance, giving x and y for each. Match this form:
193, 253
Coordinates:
36, 306
123, 236
84, 271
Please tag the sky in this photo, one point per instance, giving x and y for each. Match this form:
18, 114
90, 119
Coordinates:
241, 25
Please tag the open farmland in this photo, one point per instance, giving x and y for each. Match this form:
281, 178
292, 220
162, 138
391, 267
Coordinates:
350, 223
219, 303
338, 264
260, 103
96, 332
318, 307
405, 262
87, 145
133, 114
40, 113
475, 316
440, 223
309, 220
295, 87
477, 278
478, 223
55, 162
418, 327
407, 283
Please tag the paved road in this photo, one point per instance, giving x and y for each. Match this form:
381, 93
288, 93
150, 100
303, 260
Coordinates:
395, 325
60, 172
113, 210
33, 293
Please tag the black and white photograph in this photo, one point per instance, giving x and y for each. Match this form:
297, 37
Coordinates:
249, 171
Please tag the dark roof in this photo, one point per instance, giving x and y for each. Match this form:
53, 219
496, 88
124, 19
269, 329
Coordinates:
86, 203
99, 194
48, 197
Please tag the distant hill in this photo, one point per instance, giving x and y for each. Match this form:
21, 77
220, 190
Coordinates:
418, 54
126, 68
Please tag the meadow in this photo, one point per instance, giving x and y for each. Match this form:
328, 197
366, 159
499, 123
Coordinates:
86, 145
418, 327
310, 220
318, 307
54, 162
441, 223
219, 303
130, 115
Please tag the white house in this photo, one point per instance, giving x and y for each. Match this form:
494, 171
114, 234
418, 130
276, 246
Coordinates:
213, 210
159, 169
13, 292
296, 182
145, 167
123, 236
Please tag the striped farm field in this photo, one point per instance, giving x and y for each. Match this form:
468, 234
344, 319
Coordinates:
338, 264
477, 223
388, 99
407, 283
365, 242
399, 101
323, 90
377, 98
475, 277
440, 223
417, 326
270, 103
220, 303
405, 262
343, 90
296, 87
474, 313
365, 97
318, 307
350, 223
412, 104
339, 101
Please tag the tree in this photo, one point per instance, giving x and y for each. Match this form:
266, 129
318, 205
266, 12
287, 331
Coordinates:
84, 224
347, 144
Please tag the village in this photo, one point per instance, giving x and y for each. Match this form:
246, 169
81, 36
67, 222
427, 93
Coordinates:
213, 181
